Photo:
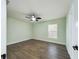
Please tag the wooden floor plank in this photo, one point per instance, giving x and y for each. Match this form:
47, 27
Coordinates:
35, 49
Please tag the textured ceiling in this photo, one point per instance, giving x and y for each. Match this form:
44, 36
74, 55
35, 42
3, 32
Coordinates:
47, 9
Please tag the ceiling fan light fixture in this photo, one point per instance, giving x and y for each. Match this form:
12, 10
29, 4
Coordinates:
33, 18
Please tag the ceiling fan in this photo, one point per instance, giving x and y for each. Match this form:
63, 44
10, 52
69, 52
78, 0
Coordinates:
33, 17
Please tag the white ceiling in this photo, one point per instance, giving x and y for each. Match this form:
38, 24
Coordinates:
47, 9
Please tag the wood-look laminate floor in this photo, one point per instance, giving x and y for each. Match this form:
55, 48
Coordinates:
35, 49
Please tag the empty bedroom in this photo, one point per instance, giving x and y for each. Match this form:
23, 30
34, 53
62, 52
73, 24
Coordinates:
40, 29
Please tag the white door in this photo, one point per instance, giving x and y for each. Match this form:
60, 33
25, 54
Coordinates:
72, 30
3, 26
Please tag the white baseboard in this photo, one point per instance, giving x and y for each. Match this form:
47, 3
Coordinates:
37, 39
51, 41
17, 41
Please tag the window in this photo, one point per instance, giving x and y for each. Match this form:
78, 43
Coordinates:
52, 31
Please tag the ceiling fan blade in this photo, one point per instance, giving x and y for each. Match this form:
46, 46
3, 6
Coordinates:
38, 18
27, 17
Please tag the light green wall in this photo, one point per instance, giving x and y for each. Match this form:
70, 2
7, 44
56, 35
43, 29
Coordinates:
40, 31
18, 31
